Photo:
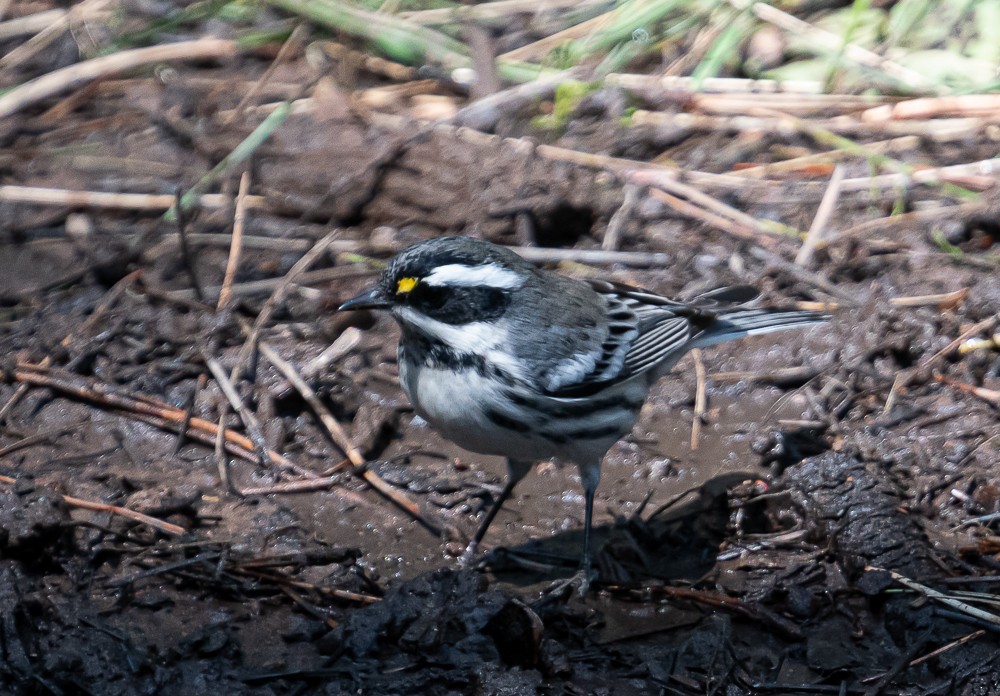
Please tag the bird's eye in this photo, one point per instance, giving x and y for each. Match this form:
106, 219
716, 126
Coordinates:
429, 297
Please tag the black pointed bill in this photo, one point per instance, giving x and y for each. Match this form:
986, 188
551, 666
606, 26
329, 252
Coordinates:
373, 298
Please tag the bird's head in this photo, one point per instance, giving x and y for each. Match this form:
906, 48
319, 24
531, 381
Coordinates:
453, 280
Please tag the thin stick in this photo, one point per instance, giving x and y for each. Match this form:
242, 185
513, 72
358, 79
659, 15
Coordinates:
948, 646
292, 43
236, 248
674, 84
986, 105
612, 235
543, 46
829, 40
942, 130
499, 9
32, 440
37, 195
942, 597
826, 207
268, 285
245, 414
337, 434
221, 462
990, 396
700, 396
53, 83
48, 34
711, 219
143, 408
279, 294
30, 24
165, 527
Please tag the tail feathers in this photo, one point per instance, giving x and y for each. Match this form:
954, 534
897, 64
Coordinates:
753, 322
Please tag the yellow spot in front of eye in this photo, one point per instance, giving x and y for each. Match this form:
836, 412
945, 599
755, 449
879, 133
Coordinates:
405, 285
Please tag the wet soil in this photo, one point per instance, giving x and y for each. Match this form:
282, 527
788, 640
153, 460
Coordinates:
831, 462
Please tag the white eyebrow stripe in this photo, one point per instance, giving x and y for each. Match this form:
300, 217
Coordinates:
490, 275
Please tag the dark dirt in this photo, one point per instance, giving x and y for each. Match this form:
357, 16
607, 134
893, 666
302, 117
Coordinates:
758, 563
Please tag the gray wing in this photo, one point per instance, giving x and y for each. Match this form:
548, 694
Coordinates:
643, 331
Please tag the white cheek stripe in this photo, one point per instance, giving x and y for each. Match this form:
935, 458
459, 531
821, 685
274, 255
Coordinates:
475, 337
490, 274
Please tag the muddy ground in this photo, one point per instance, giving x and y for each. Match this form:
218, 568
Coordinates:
830, 463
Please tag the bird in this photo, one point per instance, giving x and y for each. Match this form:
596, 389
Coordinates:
504, 358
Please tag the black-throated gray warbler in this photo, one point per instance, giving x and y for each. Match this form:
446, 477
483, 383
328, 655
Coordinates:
506, 359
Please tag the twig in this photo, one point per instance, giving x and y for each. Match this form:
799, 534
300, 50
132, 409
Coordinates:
239, 154
987, 105
186, 255
672, 84
831, 41
711, 219
805, 276
373, 64
543, 46
247, 416
236, 247
292, 43
944, 130
32, 440
612, 235
818, 228
337, 434
142, 408
37, 195
948, 646
864, 230
268, 285
830, 157
53, 83
990, 396
279, 294
30, 24
165, 527
221, 462
51, 32
329, 591
700, 396
343, 345
499, 9
942, 597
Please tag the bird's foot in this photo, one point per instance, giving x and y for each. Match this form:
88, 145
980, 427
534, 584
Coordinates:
467, 557
578, 584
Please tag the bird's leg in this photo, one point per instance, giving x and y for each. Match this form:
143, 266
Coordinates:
588, 515
590, 476
516, 470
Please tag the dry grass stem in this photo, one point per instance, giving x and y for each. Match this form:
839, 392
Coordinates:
667, 86
236, 248
700, 396
980, 105
810, 162
817, 230
339, 436
541, 48
944, 130
833, 42
37, 195
500, 9
58, 81
89, 9
30, 24
165, 527
246, 415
